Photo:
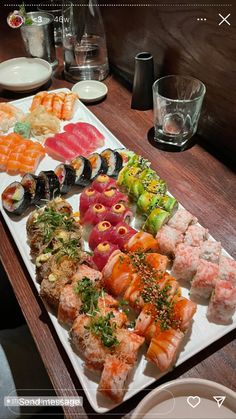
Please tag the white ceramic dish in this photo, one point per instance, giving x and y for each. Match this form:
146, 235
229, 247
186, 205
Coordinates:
187, 398
144, 372
90, 90
24, 74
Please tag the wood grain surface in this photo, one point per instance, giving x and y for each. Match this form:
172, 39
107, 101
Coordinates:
203, 184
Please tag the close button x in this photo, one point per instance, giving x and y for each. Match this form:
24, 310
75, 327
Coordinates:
224, 19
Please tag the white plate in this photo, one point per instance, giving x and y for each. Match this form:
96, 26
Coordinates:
24, 74
187, 398
90, 90
145, 373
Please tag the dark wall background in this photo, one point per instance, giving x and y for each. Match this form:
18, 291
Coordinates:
182, 45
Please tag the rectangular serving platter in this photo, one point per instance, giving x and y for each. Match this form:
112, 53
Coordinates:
202, 334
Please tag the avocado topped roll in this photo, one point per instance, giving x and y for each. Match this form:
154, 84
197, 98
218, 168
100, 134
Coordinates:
156, 219
136, 189
168, 203
157, 186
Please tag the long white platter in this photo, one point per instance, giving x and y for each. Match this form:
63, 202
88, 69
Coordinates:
202, 334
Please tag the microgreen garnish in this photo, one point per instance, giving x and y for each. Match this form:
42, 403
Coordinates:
89, 295
104, 328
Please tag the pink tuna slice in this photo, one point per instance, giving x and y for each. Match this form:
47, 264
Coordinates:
87, 133
72, 141
56, 148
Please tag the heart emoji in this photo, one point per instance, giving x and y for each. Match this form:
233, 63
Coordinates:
193, 401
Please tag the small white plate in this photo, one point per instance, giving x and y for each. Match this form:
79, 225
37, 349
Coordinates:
24, 74
90, 90
187, 398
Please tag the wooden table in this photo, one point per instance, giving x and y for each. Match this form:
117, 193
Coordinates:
203, 184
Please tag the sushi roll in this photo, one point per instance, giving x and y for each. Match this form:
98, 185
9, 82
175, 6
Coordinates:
103, 182
182, 219
125, 155
112, 196
121, 234
168, 238
222, 305
142, 242
204, 280
98, 164
156, 219
168, 203
186, 262
66, 177
127, 175
102, 253
119, 212
16, 198
101, 232
114, 161
147, 202
227, 270
147, 175
136, 189
195, 235
94, 215
87, 198
156, 186
211, 250
52, 185
83, 170
35, 186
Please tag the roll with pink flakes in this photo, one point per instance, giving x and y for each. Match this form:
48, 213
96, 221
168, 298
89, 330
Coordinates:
204, 280
181, 220
168, 238
227, 270
186, 262
195, 235
222, 305
210, 250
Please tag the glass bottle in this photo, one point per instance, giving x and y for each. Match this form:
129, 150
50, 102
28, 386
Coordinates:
84, 41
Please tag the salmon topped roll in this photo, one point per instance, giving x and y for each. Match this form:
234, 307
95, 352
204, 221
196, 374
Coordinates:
181, 220
205, 279
142, 242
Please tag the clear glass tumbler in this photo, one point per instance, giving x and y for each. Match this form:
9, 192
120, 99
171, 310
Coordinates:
177, 102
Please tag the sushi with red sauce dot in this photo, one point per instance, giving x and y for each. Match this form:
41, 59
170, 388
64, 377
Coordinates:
102, 253
112, 196
118, 213
94, 215
121, 234
87, 198
102, 182
101, 232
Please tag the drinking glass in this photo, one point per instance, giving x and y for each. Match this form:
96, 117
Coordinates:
54, 7
177, 102
38, 38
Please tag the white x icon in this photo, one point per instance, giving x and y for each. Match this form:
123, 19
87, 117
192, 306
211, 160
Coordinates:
224, 19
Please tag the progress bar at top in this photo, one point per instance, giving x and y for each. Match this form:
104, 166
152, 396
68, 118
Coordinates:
125, 4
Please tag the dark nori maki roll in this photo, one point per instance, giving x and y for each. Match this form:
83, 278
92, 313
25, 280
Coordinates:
83, 170
15, 198
66, 177
35, 186
114, 161
98, 163
52, 185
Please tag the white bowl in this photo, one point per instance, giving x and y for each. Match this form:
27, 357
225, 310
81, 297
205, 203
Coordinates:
187, 398
90, 90
24, 74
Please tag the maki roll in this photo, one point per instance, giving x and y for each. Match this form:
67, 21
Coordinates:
35, 186
94, 215
102, 253
136, 189
147, 201
52, 185
168, 203
87, 198
157, 186
83, 170
155, 220
125, 155
121, 234
112, 196
148, 174
126, 175
15, 198
66, 177
103, 182
101, 232
98, 164
142, 242
119, 212
114, 161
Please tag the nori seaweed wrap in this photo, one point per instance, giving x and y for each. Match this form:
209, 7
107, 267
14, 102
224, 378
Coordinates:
52, 185
15, 198
66, 177
83, 170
